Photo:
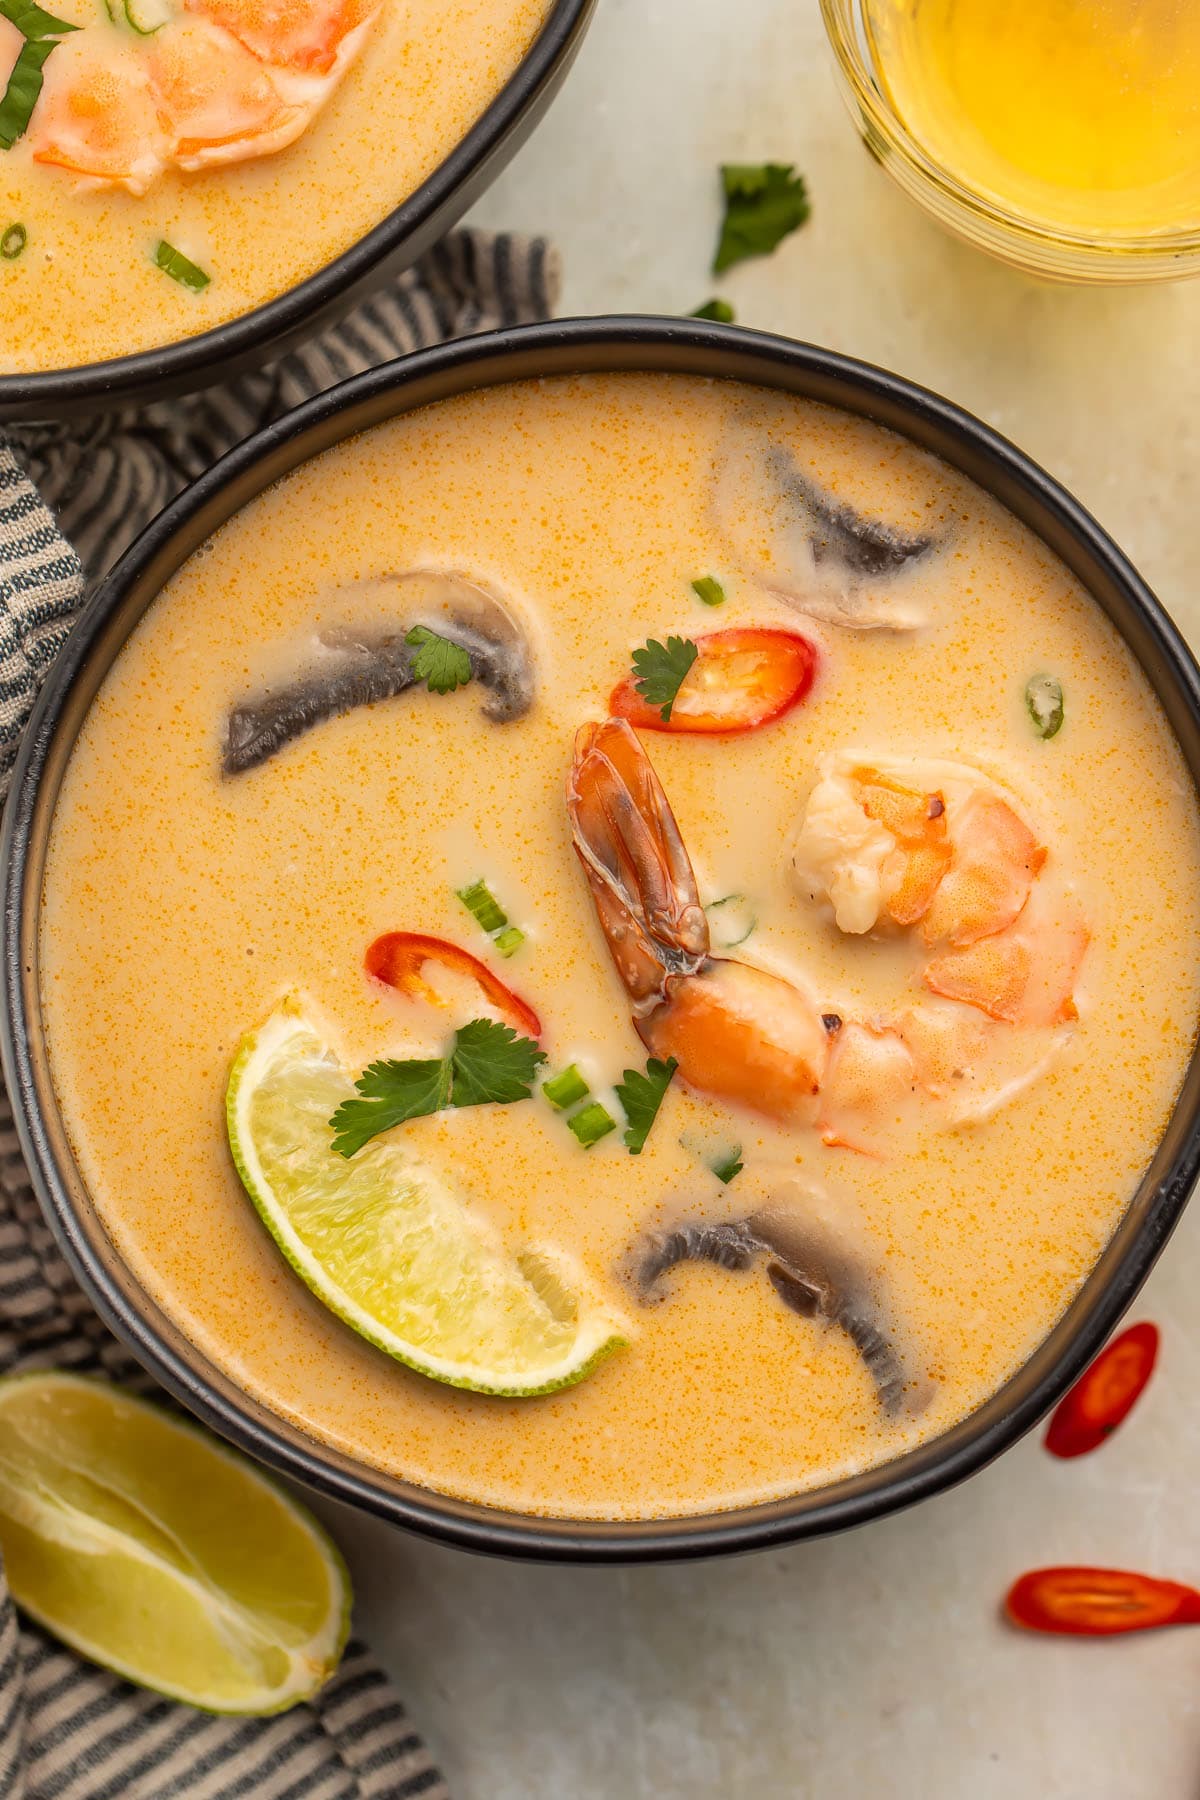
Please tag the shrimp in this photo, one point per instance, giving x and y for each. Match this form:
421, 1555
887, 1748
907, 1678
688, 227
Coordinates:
220, 82
737, 1032
939, 853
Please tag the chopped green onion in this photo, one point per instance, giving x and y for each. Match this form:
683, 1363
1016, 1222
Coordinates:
1044, 700
180, 268
13, 242
591, 1123
566, 1089
483, 906
708, 589
24, 88
718, 310
726, 1167
509, 941
731, 920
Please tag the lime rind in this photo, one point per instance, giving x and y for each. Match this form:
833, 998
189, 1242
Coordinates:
399, 1235
311, 1663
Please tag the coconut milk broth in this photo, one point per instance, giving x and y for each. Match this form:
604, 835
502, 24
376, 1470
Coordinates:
589, 502
86, 288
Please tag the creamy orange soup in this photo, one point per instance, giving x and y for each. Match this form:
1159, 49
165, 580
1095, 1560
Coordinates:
181, 904
87, 286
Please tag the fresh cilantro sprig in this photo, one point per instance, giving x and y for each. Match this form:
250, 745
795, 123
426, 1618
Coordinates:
441, 663
487, 1064
764, 203
659, 671
641, 1096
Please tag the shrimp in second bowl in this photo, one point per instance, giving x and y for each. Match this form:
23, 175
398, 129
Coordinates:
216, 81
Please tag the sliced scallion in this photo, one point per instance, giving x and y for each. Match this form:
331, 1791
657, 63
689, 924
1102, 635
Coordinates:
730, 920
1044, 701
509, 941
13, 242
180, 268
727, 1166
483, 906
591, 1123
566, 1089
708, 589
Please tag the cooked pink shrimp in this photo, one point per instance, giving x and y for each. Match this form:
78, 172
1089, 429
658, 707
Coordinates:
737, 1032
938, 851
939, 846
225, 81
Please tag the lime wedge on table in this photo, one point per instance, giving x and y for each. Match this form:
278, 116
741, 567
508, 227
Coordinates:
149, 1547
384, 1241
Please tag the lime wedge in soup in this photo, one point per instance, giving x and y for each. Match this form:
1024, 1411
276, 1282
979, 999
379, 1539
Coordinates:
386, 1243
149, 1547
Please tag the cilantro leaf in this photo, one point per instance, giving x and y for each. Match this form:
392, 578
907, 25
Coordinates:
659, 670
389, 1093
441, 663
641, 1096
32, 21
492, 1064
718, 310
764, 203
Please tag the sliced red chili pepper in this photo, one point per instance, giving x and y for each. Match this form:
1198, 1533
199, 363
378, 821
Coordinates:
1105, 1393
1099, 1602
741, 679
398, 957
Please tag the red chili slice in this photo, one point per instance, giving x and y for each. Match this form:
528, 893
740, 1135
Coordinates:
1105, 1394
741, 679
398, 957
1099, 1602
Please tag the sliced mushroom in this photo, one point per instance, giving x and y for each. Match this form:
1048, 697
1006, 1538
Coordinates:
354, 665
812, 1269
816, 552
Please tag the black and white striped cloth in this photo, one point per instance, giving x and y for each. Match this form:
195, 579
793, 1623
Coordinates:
69, 1731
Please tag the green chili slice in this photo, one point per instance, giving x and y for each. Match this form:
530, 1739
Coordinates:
13, 242
1044, 702
180, 268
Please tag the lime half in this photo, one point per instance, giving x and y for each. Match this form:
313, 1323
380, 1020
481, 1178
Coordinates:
386, 1243
149, 1547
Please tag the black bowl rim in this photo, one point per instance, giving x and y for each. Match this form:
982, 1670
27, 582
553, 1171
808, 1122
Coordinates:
192, 362
631, 343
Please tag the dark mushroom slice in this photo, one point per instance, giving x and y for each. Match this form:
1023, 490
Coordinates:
818, 553
812, 1273
837, 533
352, 666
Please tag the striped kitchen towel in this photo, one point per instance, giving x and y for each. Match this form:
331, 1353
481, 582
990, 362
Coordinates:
69, 1731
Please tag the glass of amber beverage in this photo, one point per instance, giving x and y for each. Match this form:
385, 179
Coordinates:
1062, 137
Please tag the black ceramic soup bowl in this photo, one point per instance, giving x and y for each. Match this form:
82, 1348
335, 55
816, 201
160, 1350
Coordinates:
716, 352
407, 232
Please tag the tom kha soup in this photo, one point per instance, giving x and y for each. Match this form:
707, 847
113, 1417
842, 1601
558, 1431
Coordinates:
169, 165
618, 946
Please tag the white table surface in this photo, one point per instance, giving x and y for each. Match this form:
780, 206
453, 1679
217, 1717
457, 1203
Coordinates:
874, 1664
